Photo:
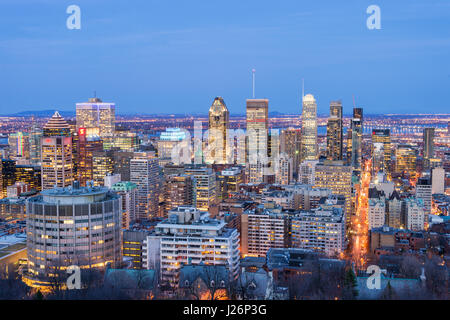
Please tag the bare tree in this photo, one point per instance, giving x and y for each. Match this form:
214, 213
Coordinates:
436, 274
11, 285
410, 267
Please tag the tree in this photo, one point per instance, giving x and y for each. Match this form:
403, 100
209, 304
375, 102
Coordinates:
38, 295
350, 285
388, 292
436, 278
410, 267
11, 285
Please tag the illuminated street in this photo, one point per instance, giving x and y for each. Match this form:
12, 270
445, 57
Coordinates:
359, 232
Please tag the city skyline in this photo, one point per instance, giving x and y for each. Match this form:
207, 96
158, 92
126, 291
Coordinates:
138, 60
241, 151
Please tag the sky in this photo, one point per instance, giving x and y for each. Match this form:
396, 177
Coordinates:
169, 56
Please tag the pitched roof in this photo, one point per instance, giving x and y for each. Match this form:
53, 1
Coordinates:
190, 273
56, 122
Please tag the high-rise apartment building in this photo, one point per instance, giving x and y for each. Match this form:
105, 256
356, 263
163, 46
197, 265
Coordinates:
190, 236
283, 169
428, 143
97, 114
290, 143
204, 184
376, 212
306, 172
396, 209
57, 162
86, 147
262, 228
35, 144
438, 180
319, 230
257, 139
127, 191
336, 176
335, 132
383, 137
144, 172
72, 226
218, 149
415, 215
179, 190
406, 156
228, 181
424, 193
309, 129
133, 244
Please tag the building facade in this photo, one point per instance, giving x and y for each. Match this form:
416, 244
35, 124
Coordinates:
309, 129
57, 162
67, 226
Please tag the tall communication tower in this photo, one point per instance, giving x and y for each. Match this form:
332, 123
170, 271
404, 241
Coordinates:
253, 82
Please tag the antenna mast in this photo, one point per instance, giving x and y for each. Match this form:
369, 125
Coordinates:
253, 82
303, 89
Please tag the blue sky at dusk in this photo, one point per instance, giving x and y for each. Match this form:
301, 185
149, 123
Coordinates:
176, 56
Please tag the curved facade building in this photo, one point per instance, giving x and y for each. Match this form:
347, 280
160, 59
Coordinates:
72, 226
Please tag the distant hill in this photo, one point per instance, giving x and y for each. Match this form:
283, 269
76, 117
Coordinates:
41, 113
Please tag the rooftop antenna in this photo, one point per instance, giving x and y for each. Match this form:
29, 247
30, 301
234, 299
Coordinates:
253, 82
303, 89
354, 103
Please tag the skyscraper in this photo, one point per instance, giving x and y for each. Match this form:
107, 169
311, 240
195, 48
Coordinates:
290, 143
168, 140
35, 144
102, 166
382, 136
219, 150
179, 190
205, 185
438, 180
8, 175
336, 176
57, 163
309, 129
356, 142
257, 143
86, 146
406, 156
428, 143
334, 132
97, 114
19, 145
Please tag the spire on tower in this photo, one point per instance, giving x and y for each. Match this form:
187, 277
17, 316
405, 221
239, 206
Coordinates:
253, 82
303, 89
